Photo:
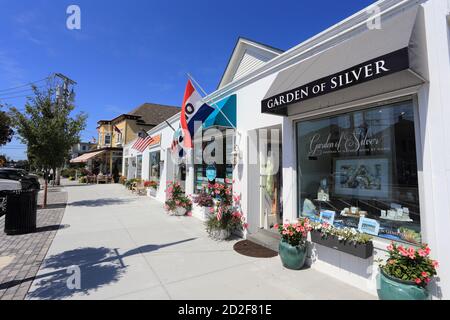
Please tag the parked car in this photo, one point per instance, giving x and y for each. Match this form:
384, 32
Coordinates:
27, 181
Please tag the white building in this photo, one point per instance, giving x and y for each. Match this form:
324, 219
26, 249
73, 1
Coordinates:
361, 110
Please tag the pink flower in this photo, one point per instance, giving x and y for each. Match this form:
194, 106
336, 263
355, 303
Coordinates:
418, 281
427, 280
284, 232
422, 253
276, 226
189, 214
390, 247
245, 226
424, 274
435, 264
411, 253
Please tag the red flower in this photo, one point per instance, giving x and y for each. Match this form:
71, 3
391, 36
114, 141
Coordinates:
418, 281
276, 226
424, 274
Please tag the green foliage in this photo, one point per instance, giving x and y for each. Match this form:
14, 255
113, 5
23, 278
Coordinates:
350, 235
48, 128
176, 198
82, 180
6, 132
226, 218
294, 233
69, 172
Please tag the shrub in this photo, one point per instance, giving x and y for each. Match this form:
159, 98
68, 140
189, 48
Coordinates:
226, 218
409, 264
68, 172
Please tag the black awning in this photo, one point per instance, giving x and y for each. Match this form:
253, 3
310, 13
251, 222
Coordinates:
363, 57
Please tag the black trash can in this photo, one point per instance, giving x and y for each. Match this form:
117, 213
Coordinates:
21, 210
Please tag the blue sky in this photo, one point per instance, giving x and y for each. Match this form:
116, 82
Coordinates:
136, 51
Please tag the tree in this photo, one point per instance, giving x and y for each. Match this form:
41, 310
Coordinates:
5, 128
48, 129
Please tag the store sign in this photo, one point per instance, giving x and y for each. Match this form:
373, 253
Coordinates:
370, 70
369, 226
347, 142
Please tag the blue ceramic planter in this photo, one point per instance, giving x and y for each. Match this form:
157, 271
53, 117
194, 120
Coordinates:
390, 288
292, 257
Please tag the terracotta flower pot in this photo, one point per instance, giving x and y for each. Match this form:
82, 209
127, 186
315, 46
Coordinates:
390, 288
292, 257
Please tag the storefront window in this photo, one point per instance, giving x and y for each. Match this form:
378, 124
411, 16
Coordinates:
223, 171
155, 170
362, 164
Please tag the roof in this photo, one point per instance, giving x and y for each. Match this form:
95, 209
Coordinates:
247, 55
154, 114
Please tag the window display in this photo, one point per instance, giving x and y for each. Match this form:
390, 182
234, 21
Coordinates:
223, 171
362, 165
155, 170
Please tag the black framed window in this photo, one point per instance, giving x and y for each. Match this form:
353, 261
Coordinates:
362, 164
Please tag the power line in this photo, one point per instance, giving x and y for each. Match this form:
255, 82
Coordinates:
25, 85
14, 97
20, 91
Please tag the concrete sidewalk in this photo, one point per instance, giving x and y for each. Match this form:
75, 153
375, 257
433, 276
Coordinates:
126, 247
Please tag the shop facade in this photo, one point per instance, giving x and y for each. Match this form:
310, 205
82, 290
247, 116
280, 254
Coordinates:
350, 123
360, 114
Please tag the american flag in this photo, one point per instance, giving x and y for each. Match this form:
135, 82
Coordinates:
142, 143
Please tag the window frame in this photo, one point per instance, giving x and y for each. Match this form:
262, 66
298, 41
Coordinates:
372, 103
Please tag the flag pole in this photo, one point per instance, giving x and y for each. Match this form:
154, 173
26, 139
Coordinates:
213, 103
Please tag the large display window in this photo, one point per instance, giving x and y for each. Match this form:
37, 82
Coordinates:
360, 168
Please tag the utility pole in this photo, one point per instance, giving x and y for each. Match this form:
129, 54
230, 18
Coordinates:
62, 95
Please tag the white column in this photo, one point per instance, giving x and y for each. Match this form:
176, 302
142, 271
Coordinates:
289, 164
434, 114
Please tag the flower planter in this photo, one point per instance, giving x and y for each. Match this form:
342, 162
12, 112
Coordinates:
363, 251
203, 213
292, 257
390, 288
179, 211
220, 234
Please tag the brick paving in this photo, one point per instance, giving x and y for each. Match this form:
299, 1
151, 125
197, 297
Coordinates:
28, 251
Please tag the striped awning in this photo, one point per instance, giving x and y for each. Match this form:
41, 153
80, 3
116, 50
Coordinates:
86, 156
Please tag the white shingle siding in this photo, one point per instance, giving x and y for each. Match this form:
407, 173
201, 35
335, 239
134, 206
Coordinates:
250, 61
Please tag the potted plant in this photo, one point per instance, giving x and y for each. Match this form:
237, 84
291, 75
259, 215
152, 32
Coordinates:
177, 203
293, 244
406, 273
346, 240
152, 187
223, 221
203, 204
